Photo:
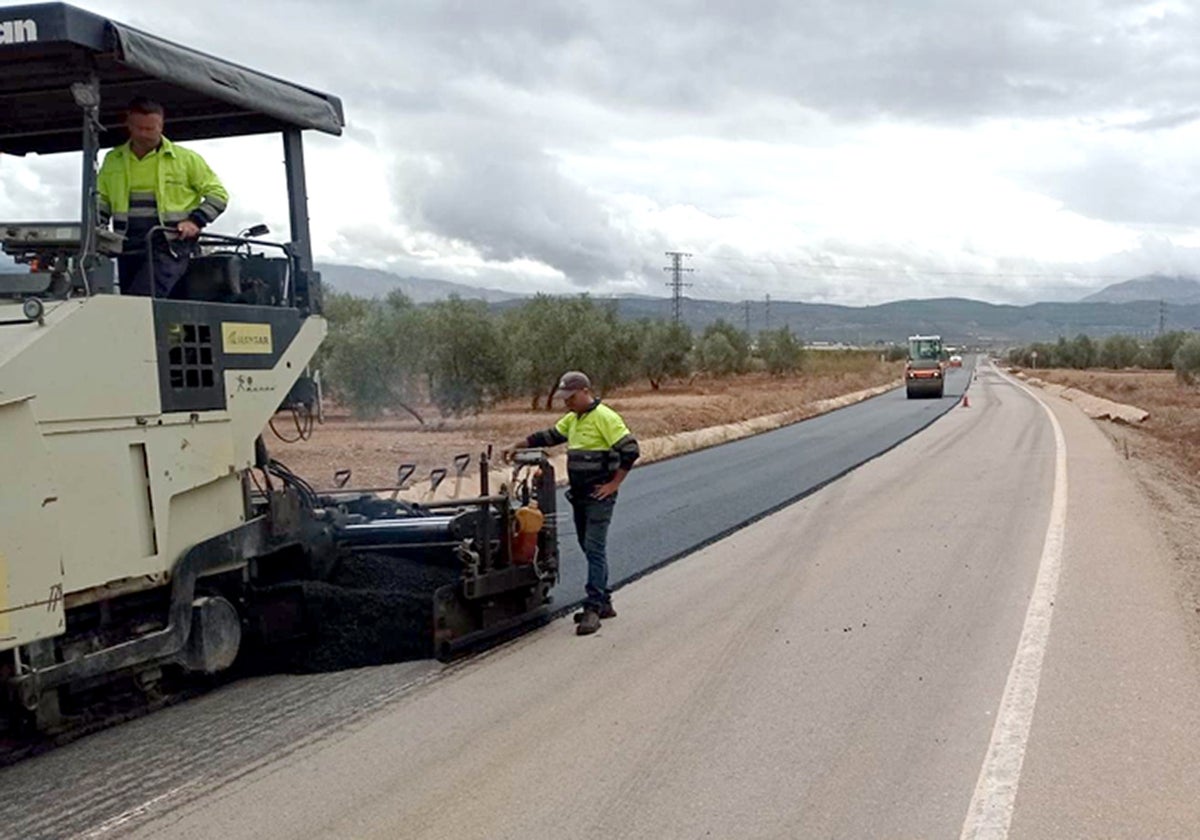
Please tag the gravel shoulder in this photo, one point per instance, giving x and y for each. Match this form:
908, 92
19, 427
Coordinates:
1174, 493
1162, 454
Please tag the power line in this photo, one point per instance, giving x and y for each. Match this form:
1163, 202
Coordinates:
816, 266
676, 282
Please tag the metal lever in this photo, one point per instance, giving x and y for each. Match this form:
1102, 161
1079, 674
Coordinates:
436, 477
403, 474
461, 462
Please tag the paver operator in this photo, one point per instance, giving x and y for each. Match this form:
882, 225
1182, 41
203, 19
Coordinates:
148, 182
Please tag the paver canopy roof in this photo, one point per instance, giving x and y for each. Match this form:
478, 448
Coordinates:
47, 47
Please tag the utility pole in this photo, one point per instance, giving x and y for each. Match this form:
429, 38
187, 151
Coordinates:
768, 311
1162, 316
676, 282
746, 308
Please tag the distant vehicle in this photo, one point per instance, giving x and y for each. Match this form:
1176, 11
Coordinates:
956, 361
923, 372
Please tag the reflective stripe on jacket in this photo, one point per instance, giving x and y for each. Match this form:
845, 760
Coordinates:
187, 188
598, 443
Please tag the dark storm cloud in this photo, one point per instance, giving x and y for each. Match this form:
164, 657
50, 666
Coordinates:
945, 61
936, 59
496, 190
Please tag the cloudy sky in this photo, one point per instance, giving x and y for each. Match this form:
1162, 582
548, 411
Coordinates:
843, 151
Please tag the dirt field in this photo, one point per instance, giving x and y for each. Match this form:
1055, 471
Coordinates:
1174, 421
374, 449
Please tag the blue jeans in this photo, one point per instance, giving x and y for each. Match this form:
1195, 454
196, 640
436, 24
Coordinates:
592, 517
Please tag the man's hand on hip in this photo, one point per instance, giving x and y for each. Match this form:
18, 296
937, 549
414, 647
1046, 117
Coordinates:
609, 488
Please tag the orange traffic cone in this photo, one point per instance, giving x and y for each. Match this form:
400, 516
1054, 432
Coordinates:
966, 403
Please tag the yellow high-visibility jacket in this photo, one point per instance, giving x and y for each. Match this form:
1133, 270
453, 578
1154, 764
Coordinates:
187, 188
598, 444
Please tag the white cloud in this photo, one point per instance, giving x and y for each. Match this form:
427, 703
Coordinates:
851, 152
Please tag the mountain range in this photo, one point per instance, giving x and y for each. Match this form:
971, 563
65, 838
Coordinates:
374, 283
1135, 307
957, 320
1142, 306
1177, 289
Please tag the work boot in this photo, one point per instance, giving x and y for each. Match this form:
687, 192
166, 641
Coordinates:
589, 624
606, 612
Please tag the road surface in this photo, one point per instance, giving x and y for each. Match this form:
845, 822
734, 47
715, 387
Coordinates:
865, 663
841, 668
173, 753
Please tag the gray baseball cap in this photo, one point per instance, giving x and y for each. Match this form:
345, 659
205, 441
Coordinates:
572, 380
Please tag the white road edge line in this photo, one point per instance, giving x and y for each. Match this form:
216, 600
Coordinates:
991, 810
124, 817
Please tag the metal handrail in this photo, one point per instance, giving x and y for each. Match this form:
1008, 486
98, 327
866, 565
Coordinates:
171, 233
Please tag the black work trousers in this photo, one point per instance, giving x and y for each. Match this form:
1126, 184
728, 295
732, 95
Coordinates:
169, 261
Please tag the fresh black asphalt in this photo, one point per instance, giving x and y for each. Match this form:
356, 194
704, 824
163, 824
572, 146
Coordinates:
671, 508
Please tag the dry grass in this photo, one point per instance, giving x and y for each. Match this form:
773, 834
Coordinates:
374, 449
1174, 408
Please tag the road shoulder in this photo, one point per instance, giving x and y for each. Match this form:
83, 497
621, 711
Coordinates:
1112, 747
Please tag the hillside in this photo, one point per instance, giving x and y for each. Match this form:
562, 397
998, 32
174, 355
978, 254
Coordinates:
1180, 290
374, 283
1132, 307
958, 320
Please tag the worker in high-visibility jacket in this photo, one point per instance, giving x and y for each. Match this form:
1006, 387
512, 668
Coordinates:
600, 453
149, 182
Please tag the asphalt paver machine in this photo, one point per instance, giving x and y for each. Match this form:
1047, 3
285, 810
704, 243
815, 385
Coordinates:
145, 531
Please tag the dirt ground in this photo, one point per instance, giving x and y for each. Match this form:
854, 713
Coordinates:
374, 449
1163, 453
1174, 409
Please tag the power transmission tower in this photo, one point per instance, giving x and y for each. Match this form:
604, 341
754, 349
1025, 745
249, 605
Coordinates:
676, 282
1162, 316
768, 312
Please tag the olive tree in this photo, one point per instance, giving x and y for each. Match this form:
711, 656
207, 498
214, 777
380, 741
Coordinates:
375, 356
1119, 351
780, 351
1187, 361
664, 351
464, 369
723, 349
